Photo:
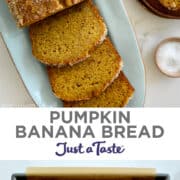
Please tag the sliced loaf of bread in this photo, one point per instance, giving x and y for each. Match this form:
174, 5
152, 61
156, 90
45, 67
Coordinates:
27, 12
116, 95
69, 36
88, 78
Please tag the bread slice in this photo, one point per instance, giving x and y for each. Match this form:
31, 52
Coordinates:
27, 12
116, 95
69, 36
88, 78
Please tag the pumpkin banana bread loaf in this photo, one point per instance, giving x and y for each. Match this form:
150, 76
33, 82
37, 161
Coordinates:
88, 78
27, 12
116, 95
69, 36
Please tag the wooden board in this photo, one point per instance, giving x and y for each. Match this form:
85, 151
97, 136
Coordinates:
156, 7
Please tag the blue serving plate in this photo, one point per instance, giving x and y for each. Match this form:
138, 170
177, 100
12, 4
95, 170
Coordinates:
33, 73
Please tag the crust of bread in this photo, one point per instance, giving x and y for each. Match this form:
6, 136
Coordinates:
29, 12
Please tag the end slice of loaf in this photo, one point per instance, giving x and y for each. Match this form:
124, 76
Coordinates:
116, 95
88, 78
27, 12
69, 36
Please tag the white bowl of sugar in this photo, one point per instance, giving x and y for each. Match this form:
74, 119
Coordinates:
167, 57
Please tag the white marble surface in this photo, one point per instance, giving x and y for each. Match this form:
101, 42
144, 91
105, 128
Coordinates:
150, 29
12, 90
161, 91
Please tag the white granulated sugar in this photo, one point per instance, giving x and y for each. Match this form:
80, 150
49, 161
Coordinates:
168, 57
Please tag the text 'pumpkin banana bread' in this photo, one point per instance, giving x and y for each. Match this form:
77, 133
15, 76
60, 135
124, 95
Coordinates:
116, 95
69, 36
88, 78
27, 12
